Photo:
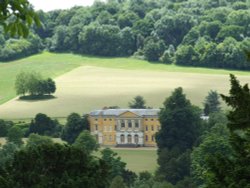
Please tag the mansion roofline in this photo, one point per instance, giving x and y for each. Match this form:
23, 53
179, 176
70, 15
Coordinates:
118, 112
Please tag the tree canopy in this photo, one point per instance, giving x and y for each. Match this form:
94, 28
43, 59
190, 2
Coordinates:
74, 126
202, 33
180, 125
234, 170
54, 165
17, 16
138, 102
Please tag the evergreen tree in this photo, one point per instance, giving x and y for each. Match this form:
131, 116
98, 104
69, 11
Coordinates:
180, 125
234, 171
137, 103
212, 103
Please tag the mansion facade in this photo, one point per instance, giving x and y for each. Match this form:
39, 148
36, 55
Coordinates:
125, 127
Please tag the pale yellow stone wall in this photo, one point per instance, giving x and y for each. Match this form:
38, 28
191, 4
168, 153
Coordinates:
151, 126
106, 126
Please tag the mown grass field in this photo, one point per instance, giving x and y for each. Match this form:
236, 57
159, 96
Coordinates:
89, 83
139, 160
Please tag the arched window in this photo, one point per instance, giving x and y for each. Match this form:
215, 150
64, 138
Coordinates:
136, 139
122, 138
129, 139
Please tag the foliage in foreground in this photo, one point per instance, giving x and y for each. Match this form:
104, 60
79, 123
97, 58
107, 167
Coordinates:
180, 128
234, 170
54, 165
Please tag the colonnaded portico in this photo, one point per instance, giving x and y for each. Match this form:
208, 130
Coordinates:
125, 127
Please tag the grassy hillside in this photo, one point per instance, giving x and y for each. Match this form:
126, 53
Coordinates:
105, 82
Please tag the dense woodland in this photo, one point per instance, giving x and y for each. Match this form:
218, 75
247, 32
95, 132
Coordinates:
192, 33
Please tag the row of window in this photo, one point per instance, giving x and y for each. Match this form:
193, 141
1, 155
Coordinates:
129, 138
129, 122
105, 119
106, 128
147, 138
151, 119
110, 128
152, 127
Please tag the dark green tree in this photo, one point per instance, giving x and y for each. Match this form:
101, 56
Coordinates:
215, 142
117, 167
37, 140
3, 128
15, 135
186, 55
180, 128
212, 103
43, 125
54, 165
117, 182
51, 86
7, 152
137, 103
86, 142
153, 49
74, 126
234, 171
114, 161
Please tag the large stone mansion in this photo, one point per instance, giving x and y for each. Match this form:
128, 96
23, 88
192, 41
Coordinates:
125, 127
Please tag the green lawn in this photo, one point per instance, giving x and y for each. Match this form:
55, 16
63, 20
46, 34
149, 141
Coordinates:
138, 160
89, 83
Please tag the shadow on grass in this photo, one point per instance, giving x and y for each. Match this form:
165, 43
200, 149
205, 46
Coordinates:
36, 97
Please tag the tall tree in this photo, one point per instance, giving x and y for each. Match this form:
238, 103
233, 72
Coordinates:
234, 171
137, 103
74, 126
212, 103
180, 125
